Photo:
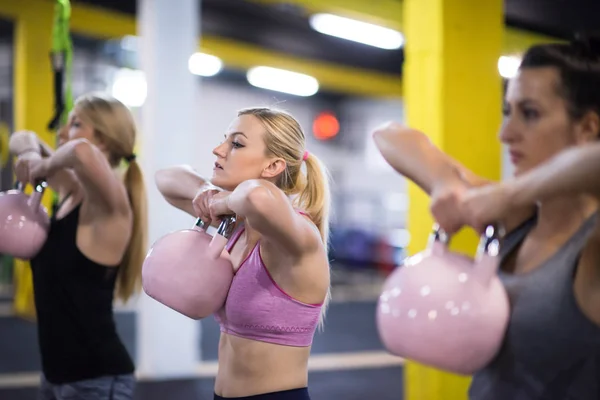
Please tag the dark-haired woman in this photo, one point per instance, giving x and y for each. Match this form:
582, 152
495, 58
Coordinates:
550, 259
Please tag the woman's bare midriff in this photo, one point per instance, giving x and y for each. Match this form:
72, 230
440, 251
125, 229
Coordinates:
249, 367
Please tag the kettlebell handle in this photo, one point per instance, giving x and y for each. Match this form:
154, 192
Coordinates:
485, 263
438, 235
38, 192
486, 260
489, 242
40, 185
201, 224
225, 228
220, 239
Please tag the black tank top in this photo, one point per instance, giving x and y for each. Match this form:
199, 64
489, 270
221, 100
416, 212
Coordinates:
551, 350
74, 303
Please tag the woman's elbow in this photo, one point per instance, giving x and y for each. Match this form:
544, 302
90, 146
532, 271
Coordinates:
162, 178
252, 200
259, 199
167, 179
379, 134
23, 141
388, 134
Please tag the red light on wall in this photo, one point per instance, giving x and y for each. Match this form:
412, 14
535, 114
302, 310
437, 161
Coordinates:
326, 126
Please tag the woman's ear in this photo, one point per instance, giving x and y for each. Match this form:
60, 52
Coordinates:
589, 128
275, 168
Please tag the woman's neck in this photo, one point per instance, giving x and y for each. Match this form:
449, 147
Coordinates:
564, 213
119, 173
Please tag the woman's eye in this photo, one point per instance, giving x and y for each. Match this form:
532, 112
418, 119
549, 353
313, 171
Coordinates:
530, 114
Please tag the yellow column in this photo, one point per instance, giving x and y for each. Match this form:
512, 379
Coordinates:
33, 105
453, 93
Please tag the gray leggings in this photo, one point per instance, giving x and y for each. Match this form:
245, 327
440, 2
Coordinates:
119, 387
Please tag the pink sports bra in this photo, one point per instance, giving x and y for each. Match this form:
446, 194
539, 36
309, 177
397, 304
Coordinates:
258, 309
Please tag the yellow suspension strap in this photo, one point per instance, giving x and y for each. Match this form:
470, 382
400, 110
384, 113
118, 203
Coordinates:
62, 63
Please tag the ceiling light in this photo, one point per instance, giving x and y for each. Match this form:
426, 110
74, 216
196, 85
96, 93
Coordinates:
357, 31
508, 66
282, 81
129, 87
204, 64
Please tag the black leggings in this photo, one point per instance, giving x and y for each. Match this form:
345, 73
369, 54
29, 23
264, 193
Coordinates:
293, 394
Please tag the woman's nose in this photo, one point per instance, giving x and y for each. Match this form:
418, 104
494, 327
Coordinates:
219, 151
508, 132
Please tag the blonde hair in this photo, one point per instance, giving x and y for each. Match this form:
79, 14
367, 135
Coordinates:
114, 125
285, 139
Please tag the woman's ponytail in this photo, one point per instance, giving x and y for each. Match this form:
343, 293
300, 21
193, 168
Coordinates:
314, 195
130, 270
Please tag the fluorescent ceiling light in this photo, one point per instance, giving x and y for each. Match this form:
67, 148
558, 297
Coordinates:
508, 66
204, 64
282, 81
129, 87
357, 31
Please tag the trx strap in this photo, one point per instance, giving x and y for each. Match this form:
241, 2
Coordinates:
62, 61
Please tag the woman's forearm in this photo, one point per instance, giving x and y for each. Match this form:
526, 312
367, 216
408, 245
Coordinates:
179, 183
573, 171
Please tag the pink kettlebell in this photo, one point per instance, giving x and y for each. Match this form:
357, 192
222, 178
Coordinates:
445, 310
24, 222
189, 271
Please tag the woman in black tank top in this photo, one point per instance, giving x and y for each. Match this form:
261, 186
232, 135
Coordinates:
550, 261
95, 248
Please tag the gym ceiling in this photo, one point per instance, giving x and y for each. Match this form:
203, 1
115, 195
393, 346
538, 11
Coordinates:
283, 26
278, 33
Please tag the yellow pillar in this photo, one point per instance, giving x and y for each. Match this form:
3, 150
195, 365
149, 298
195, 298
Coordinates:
453, 93
33, 107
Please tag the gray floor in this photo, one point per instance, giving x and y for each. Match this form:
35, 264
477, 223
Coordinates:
19, 347
371, 384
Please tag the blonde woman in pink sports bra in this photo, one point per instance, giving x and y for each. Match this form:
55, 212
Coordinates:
279, 251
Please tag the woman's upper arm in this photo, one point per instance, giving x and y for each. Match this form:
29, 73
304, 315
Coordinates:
184, 205
64, 182
271, 214
100, 184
